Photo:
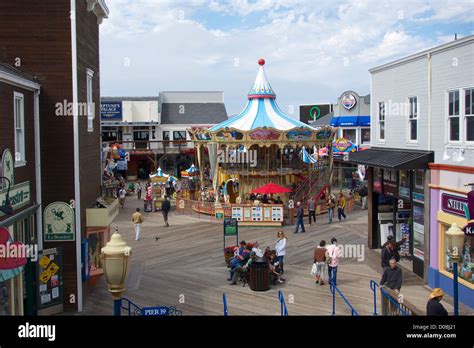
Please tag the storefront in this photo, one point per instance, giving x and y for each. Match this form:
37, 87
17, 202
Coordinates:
397, 191
450, 205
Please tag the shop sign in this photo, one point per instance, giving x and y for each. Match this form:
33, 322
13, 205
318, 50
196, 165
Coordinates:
111, 111
469, 229
348, 101
156, 311
342, 146
455, 205
59, 222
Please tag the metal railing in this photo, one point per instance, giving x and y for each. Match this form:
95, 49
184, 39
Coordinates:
130, 307
283, 307
394, 304
333, 289
224, 301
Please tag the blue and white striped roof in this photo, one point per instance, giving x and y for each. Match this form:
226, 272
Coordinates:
261, 110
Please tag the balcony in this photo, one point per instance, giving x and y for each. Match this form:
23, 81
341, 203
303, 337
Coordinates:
154, 146
100, 217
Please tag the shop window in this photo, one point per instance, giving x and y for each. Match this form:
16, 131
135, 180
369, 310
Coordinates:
166, 135
365, 136
466, 258
19, 119
350, 134
453, 116
381, 119
179, 135
413, 119
469, 113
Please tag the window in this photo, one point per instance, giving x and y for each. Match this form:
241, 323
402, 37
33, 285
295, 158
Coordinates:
413, 119
111, 133
382, 121
469, 113
179, 135
19, 119
350, 134
365, 135
453, 116
166, 135
90, 102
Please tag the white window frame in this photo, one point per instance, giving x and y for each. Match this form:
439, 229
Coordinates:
90, 99
356, 142
448, 127
465, 116
360, 135
21, 115
382, 140
416, 117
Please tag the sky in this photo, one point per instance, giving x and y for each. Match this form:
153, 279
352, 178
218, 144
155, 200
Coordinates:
314, 50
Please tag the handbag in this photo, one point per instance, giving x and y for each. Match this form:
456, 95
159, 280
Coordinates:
313, 269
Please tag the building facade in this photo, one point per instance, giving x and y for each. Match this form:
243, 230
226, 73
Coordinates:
421, 156
152, 130
33, 35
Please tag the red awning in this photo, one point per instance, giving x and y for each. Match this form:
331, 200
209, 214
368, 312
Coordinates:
271, 188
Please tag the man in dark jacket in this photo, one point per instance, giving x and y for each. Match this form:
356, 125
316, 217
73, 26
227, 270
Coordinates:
434, 306
165, 208
387, 254
396, 246
299, 217
392, 276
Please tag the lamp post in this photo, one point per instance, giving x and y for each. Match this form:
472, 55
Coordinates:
456, 238
116, 257
7, 208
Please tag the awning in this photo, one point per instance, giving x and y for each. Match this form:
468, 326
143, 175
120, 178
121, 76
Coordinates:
399, 159
350, 121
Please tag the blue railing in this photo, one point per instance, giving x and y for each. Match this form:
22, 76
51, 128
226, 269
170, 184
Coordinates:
283, 308
224, 300
333, 289
130, 307
373, 286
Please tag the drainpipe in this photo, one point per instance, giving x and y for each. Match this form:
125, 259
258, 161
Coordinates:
77, 184
429, 101
39, 211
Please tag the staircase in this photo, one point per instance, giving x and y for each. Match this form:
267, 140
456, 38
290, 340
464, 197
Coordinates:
316, 184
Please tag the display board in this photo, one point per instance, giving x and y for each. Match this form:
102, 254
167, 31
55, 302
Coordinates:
50, 279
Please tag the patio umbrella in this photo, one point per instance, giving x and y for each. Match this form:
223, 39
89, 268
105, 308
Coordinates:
271, 188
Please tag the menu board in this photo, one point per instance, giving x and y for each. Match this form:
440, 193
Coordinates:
257, 213
238, 213
277, 213
50, 281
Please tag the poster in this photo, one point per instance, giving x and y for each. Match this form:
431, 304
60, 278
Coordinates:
418, 231
377, 180
237, 213
404, 184
50, 282
277, 213
257, 214
390, 183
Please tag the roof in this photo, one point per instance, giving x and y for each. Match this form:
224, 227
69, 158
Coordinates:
323, 120
261, 109
422, 54
191, 97
116, 99
389, 158
13, 75
193, 113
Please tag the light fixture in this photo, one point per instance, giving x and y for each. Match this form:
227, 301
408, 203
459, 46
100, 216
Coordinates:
455, 238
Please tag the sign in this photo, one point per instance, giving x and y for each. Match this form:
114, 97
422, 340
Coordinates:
219, 213
50, 282
455, 205
7, 168
390, 182
469, 229
343, 146
230, 227
111, 111
348, 101
418, 197
156, 311
59, 222
311, 113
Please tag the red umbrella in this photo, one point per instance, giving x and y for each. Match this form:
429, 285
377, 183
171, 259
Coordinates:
271, 188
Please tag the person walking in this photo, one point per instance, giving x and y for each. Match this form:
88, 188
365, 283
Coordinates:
312, 210
165, 208
434, 306
363, 193
280, 248
137, 220
332, 258
299, 217
320, 261
330, 204
138, 190
122, 194
341, 205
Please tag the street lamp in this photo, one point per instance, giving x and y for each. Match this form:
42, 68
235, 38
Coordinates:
116, 259
456, 241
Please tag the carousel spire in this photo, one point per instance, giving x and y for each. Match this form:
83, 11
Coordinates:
261, 87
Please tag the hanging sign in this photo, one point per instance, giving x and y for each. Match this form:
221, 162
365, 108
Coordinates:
59, 222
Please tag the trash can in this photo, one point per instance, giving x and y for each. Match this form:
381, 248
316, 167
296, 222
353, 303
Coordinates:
259, 276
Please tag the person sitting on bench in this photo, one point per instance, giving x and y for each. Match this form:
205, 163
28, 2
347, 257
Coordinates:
242, 271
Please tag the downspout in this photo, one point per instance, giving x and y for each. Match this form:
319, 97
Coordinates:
39, 209
429, 101
77, 184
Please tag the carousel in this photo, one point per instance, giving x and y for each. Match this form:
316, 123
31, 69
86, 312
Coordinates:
263, 145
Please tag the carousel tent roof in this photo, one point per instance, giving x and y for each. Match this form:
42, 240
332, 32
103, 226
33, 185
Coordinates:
261, 109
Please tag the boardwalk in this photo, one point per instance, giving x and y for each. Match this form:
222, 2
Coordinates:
185, 268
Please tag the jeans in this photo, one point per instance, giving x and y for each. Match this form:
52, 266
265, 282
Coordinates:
312, 213
165, 216
330, 214
332, 274
340, 214
299, 222
320, 269
280, 261
138, 229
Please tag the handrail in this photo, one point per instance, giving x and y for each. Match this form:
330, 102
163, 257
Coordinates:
224, 300
373, 286
283, 308
333, 289
136, 309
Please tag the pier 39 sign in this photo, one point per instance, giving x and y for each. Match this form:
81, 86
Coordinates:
20, 194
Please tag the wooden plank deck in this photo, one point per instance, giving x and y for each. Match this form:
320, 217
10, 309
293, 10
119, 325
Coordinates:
187, 264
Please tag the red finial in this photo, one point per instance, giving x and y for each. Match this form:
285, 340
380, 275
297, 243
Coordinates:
261, 61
